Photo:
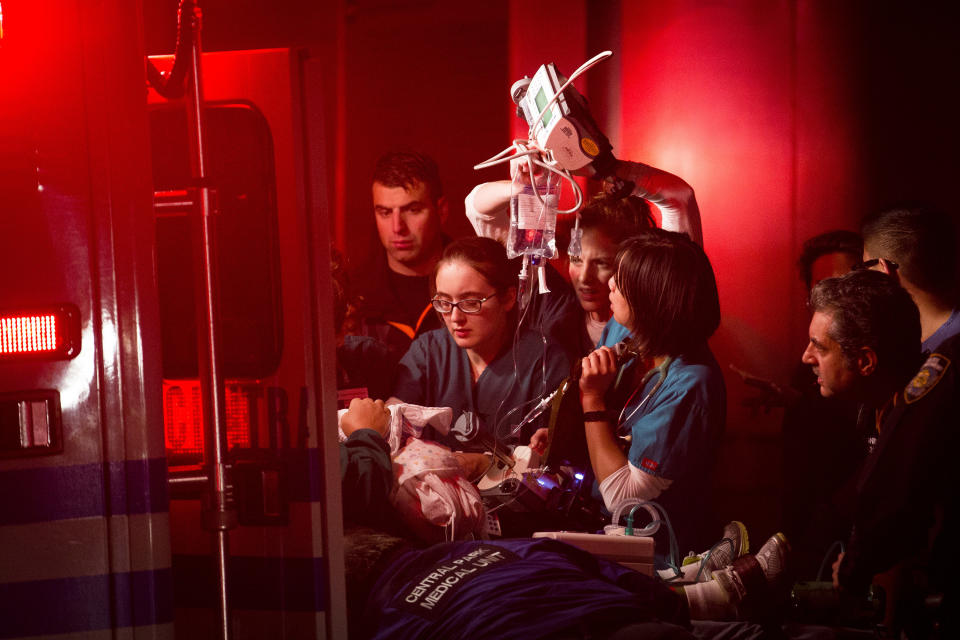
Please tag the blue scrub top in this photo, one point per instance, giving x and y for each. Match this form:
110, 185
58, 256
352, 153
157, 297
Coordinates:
675, 430
436, 372
946, 331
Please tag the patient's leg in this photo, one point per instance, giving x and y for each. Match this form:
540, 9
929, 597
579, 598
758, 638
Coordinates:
733, 543
720, 598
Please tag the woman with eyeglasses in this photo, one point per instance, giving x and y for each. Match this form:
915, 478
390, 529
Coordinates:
479, 364
654, 423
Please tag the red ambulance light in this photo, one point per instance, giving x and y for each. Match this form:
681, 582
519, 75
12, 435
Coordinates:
183, 416
49, 334
238, 417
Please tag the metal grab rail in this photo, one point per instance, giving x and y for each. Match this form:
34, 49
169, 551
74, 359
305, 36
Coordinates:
219, 513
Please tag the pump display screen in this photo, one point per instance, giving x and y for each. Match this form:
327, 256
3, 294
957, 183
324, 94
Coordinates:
541, 100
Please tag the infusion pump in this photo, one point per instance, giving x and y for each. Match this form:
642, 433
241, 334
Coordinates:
566, 129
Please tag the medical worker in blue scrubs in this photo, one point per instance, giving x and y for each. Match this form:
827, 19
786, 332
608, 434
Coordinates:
479, 364
654, 423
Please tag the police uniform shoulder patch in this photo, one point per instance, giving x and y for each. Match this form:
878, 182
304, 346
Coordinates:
927, 378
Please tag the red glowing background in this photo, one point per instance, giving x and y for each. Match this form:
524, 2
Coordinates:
788, 119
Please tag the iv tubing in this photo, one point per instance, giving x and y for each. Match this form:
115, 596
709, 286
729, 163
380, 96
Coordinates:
659, 516
529, 149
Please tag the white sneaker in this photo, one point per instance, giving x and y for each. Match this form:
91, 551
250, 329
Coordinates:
734, 543
773, 557
699, 568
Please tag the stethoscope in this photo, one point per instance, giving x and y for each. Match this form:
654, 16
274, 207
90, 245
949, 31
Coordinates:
660, 370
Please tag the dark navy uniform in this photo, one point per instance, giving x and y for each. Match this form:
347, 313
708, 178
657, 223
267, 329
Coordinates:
907, 490
366, 478
523, 588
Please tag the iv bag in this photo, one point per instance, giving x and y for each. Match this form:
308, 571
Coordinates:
533, 220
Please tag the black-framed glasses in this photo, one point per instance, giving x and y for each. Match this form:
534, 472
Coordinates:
467, 305
870, 264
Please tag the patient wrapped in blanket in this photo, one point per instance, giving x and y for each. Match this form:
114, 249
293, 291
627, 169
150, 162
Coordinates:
432, 493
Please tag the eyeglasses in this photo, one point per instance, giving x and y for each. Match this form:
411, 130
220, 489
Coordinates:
870, 264
467, 305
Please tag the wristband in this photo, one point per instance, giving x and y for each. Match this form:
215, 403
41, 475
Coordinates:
596, 416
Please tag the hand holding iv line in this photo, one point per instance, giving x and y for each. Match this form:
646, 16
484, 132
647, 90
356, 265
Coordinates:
562, 138
530, 150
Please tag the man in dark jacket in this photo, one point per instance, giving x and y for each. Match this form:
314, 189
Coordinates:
393, 285
864, 344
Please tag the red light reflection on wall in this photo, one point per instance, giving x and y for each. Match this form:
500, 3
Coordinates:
746, 102
749, 103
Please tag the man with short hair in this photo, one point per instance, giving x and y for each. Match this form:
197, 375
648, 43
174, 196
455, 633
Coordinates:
864, 344
918, 248
818, 432
828, 255
409, 210
864, 337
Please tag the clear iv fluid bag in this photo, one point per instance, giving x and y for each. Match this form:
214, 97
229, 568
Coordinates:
533, 222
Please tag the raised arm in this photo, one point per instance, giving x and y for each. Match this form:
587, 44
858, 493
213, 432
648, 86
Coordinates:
488, 209
669, 193
488, 204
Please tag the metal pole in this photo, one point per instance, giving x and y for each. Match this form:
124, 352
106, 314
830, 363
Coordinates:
218, 513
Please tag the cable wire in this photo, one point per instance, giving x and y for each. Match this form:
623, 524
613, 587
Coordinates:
827, 557
173, 84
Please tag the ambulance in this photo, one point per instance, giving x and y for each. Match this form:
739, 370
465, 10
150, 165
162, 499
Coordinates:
168, 455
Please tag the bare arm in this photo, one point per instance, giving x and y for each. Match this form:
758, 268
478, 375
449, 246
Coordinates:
598, 371
605, 456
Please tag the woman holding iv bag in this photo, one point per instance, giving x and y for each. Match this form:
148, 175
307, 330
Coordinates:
605, 221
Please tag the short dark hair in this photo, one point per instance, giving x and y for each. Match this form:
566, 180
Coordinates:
869, 309
668, 283
616, 218
407, 168
921, 241
839, 241
487, 256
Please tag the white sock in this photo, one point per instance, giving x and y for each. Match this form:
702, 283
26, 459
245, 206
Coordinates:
711, 601
689, 572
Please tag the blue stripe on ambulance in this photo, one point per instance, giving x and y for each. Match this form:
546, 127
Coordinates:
44, 494
65, 605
